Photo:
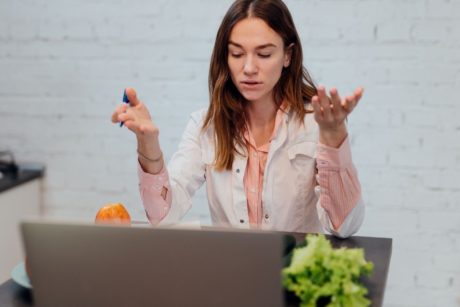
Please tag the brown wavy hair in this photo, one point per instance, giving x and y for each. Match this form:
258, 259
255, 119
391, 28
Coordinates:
226, 109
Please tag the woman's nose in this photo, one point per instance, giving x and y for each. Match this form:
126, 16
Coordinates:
250, 66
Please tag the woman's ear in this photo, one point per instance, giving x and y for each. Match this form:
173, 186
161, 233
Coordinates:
288, 55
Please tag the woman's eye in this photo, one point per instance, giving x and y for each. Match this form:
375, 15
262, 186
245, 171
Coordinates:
236, 55
264, 55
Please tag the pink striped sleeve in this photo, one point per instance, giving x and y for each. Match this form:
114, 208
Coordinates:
338, 180
150, 187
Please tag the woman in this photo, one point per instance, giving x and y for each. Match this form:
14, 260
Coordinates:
272, 148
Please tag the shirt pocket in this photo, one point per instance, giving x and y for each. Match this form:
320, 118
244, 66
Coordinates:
303, 150
302, 171
302, 160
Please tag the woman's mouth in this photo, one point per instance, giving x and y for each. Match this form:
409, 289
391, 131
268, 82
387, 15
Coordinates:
250, 84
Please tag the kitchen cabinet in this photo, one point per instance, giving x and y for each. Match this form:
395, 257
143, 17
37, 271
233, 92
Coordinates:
20, 197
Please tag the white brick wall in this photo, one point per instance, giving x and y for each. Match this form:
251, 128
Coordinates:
64, 65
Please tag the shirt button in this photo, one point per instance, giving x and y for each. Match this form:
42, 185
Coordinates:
266, 216
238, 170
242, 221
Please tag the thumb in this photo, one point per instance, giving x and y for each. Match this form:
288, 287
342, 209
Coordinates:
132, 96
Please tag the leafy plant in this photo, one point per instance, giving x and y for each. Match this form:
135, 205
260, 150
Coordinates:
319, 273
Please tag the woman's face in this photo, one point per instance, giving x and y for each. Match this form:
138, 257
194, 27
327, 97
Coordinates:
256, 57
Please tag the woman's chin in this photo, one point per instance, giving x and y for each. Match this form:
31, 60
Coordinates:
252, 96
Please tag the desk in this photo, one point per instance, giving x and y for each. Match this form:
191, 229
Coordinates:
377, 250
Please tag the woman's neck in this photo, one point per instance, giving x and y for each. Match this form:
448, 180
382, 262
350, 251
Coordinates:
261, 113
261, 120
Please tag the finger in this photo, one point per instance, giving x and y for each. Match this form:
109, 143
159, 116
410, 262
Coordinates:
114, 117
323, 99
118, 110
324, 102
349, 104
129, 124
358, 93
316, 107
123, 117
132, 96
318, 112
335, 99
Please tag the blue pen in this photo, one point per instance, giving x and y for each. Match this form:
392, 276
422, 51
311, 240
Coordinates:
125, 100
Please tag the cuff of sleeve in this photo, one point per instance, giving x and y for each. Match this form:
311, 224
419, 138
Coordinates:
157, 181
334, 158
151, 187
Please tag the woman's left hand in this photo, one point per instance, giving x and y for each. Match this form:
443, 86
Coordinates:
331, 112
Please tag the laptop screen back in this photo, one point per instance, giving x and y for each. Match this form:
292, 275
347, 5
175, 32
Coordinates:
94, 265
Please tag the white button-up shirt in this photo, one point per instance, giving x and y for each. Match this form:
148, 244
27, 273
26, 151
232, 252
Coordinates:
296, 197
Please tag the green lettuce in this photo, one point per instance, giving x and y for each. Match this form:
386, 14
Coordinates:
319, 273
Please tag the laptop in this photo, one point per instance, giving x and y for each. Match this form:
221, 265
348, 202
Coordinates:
100, 265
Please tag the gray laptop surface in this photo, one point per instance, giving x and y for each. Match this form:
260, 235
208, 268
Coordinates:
94, 265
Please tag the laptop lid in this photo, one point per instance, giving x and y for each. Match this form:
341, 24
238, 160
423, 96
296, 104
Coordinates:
99, 265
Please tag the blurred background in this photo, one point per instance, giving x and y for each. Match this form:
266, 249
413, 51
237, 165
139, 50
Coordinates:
64, 65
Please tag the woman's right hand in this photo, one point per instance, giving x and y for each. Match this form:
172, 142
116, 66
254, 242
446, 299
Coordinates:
135, 116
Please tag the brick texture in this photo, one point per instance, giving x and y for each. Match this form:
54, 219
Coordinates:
65, 63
